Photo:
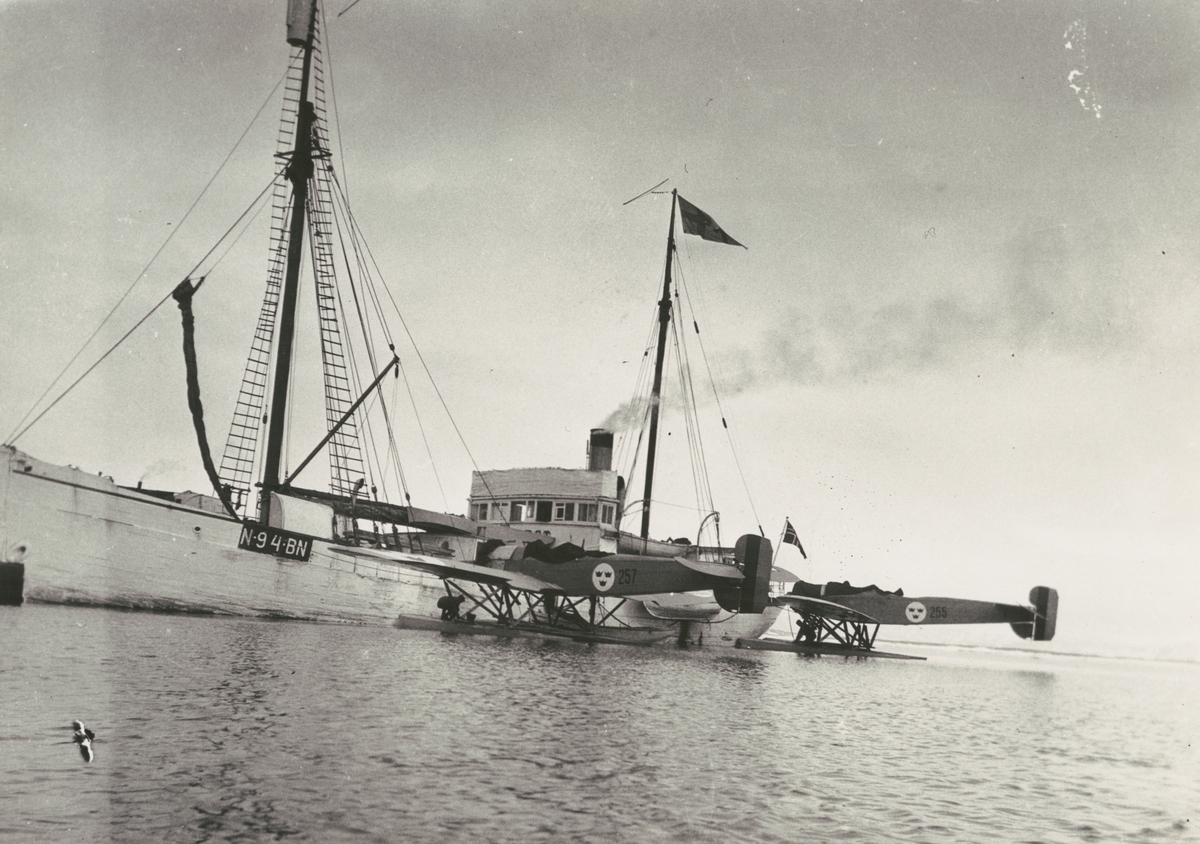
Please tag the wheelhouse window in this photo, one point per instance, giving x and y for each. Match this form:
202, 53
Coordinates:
587, 512
606, 514
481, 512
564, 511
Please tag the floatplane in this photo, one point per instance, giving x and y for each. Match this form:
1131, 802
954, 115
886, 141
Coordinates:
557, 560
838, 619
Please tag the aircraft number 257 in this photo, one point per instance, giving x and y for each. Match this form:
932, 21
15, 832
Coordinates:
626, 577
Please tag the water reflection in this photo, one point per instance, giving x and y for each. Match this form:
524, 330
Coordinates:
216, 729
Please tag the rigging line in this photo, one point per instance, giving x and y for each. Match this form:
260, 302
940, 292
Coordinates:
638, 406
640, 402
363, 253
393, 449
690, 391
328, 64
174, 230
425, 439
424, 365
700, 486
363, 422
370, 288
363, 323
126, 335
412, 340
641, 384
339, 452
112, 349
343, 225
643, 193
428, 373
375, 279
366, 420
258, 201
637, 449
370, 295
720, 408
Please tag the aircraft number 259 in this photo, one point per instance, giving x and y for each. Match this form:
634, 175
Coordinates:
626, 577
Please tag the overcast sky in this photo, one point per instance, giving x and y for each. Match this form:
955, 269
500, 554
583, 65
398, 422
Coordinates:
960, 351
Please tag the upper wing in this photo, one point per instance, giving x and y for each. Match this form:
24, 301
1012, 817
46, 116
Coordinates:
453, 570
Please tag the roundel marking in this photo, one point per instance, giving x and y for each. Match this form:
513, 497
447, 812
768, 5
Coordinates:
603, 577
915, 612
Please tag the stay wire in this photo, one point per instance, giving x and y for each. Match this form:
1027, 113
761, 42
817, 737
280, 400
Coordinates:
135, 326
175, 229
428, 373
724, 423
366, 260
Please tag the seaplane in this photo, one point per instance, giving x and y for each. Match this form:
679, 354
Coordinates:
586, 596
840, 619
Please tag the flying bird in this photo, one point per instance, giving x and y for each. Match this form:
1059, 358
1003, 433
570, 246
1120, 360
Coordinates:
83, 737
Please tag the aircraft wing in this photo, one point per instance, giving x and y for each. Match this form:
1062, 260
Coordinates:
448, 570
819, 606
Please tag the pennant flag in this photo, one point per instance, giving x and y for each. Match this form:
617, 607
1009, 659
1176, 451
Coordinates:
789, 535
697, 222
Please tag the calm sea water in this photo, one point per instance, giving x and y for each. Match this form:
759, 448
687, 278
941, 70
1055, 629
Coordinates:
217, 729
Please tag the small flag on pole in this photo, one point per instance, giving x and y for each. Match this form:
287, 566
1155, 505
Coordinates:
789, 535
698, 223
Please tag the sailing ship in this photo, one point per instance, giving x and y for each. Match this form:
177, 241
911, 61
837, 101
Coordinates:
264, 545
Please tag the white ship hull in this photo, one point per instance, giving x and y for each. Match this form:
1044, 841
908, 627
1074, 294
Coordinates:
84, 540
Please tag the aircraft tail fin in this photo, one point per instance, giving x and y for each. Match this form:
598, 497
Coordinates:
1045, 605
754, 556
1045, 614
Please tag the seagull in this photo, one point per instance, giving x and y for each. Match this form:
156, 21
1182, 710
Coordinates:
83, 737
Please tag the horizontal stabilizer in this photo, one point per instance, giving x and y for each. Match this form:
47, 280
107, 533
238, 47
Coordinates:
722, 570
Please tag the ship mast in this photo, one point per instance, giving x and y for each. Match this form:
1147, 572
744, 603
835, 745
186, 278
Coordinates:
301, 20
664, 317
